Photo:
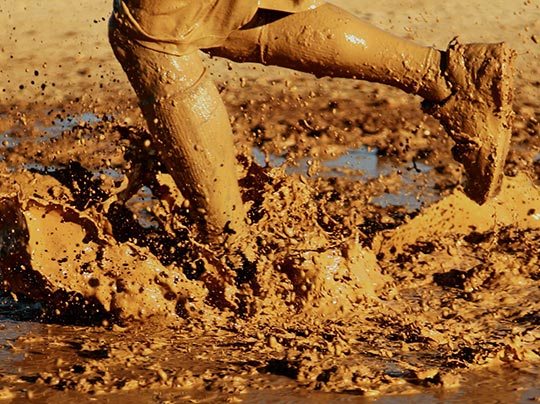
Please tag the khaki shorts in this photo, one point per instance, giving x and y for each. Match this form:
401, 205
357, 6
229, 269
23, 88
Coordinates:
180, 27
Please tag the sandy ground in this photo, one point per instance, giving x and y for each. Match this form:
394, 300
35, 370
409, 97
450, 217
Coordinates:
71, 42
412, 288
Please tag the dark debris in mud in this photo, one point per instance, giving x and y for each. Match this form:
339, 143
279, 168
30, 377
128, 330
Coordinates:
454, 304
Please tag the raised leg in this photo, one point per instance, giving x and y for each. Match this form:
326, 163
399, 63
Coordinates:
468, 87
328, 41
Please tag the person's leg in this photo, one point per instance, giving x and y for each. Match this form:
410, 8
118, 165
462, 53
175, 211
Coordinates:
328, 41
469, 87
190, 130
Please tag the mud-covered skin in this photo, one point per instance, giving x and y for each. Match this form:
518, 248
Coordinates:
479, 116
465, 304
190, 131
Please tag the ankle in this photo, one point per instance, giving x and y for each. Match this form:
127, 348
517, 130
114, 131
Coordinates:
435, 86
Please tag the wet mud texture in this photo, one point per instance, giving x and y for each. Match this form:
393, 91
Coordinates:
359, 280
340, 292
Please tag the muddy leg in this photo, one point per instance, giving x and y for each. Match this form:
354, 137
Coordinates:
190, 129
328, 41
469, 87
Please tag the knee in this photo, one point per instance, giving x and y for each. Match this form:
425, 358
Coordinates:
119, 42
244, 45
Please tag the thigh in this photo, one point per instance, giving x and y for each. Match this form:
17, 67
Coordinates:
182, 26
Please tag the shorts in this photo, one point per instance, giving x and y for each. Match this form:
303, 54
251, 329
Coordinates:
179, 27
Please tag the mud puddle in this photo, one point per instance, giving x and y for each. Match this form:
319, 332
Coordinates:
360, 164
57, 363
374, 277
363, 164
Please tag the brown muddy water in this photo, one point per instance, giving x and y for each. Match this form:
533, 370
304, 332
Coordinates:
409, 291
29, 348
370, 276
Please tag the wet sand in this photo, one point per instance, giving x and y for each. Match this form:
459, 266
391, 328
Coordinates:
370, 272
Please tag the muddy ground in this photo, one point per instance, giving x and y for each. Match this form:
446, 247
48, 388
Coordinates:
372, 276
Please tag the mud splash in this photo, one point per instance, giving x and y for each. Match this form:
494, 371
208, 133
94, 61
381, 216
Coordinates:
339, 294
88, 258
457, 317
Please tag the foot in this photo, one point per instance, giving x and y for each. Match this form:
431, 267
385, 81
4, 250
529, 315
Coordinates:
478, 114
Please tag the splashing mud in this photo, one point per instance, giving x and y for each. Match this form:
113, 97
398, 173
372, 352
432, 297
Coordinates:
338, 293
367, 272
